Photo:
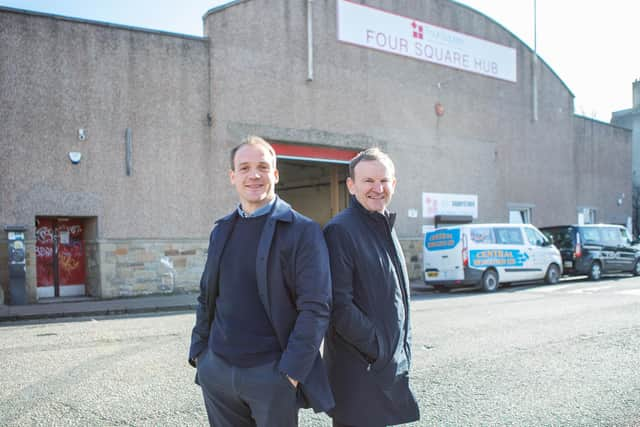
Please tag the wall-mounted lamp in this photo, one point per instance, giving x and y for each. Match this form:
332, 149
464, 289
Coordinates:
620, 199
82, 134
75, 157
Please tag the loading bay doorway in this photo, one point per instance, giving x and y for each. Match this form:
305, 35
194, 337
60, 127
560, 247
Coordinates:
313, 179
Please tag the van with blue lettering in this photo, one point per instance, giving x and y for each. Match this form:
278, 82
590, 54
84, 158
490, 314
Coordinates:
487, 255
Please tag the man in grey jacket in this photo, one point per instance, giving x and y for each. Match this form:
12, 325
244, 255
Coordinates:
367, 346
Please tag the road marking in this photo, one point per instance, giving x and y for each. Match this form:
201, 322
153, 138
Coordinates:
553, 288
633, 292
580, 291
589, 290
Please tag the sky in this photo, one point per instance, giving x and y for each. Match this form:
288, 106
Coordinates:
591, 45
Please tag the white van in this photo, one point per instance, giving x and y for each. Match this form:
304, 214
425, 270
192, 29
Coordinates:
486, 255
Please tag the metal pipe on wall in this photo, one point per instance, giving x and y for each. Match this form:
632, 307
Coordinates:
534, 85
128, 151
309, 41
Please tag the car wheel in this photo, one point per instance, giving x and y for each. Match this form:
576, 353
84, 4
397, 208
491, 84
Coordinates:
595, 273
489, 281
636, 268
553, 275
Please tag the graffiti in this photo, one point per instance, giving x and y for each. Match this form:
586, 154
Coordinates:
44, 251
68, 263
44, 234
75, 230
70, 258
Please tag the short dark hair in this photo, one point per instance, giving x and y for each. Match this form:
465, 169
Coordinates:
371, 154
252, 140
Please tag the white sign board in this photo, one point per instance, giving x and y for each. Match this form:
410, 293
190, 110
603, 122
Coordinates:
376, 29
449, 204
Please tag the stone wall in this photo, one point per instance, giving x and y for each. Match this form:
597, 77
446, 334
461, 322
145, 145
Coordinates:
4, 270
142, 267
412, 249
124, 268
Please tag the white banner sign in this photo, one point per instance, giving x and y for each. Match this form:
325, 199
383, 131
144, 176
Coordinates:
449, 204
377, 29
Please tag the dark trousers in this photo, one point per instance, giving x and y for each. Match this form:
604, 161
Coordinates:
246, 397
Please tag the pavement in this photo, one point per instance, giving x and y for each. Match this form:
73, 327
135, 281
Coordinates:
86, 306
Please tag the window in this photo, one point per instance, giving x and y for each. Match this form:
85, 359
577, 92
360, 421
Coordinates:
611, 236
508, 235
481, 235
534, 237
519, 215
624, 236
590, 235
586, 216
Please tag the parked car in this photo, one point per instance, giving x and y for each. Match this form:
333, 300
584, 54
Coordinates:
594, 249
486, 255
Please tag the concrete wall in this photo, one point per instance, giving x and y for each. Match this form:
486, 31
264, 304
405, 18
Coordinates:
603, 163
59, 75
486, 143
630, 119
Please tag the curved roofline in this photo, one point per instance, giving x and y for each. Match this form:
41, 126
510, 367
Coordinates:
454, 2
222, 7
518, 39
100, 23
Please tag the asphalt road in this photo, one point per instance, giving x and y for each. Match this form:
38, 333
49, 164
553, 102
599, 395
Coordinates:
561, 355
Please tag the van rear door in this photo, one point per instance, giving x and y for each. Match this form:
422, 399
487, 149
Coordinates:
443, 255
566, 239
626, 253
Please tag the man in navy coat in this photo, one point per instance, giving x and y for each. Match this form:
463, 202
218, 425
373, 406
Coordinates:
264, 305
368, 344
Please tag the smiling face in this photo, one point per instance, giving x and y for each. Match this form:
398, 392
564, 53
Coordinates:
254, 175
373, 185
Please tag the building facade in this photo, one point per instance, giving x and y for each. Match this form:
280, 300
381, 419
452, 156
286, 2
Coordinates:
115, 140
630, 119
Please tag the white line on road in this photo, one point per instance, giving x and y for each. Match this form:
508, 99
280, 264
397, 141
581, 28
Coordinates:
633, 292
552, 288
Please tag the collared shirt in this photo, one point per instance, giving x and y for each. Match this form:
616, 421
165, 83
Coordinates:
258, 212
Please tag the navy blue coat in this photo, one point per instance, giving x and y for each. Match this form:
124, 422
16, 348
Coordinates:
294, 285
367, 346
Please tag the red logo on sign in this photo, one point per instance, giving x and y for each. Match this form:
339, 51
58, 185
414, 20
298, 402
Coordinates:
417, 31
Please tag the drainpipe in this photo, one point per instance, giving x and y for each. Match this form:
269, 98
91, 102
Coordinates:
535, 64
309, 42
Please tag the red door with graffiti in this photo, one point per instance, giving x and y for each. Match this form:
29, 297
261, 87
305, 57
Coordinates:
60, 257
